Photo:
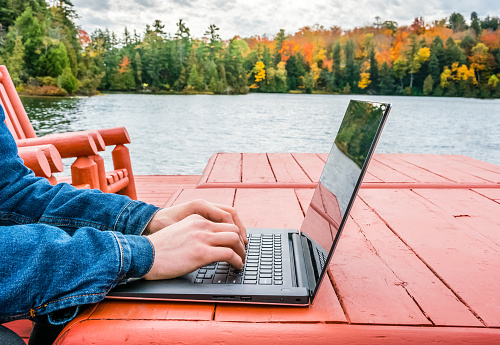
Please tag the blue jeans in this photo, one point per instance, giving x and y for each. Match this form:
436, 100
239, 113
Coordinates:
62, 247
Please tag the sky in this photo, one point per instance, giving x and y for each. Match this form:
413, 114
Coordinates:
247, 18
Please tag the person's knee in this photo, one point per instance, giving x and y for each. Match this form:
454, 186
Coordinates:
9, 337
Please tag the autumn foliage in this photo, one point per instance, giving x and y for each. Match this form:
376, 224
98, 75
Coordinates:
449, 57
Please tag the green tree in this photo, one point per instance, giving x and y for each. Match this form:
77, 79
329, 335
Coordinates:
428, 85
351, 67
457, 22
475, 24
336, 67
15, 62
373, 70
386, 83
278, 44
32, 32
67, 81
453, 53
56, 60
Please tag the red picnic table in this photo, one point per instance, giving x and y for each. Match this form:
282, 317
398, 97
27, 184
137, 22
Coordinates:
418, 261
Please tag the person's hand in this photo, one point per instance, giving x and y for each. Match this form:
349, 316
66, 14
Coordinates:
192, 243
213, 212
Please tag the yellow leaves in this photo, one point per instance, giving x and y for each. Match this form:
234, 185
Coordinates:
365, 76
463, 73
424, 54
479, 57
480, 49
493, 80
259, 71
457, 73
445, 77
365, 80
315, 72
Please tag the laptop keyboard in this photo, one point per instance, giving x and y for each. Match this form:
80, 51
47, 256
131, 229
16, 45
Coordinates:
263, 265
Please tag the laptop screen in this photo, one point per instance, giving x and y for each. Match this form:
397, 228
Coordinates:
342, 175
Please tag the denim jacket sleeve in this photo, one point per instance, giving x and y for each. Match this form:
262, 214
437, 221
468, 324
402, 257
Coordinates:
62, 247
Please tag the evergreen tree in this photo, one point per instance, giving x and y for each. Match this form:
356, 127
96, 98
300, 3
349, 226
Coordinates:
351, 68
386, 80
337, 76
453, 53
278, 43
32, 32
475, 24
374, 73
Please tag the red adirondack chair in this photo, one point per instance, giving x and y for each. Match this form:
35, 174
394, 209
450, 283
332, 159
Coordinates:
88, 168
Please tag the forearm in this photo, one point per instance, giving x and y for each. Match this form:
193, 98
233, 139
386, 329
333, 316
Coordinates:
26, 199
43, 269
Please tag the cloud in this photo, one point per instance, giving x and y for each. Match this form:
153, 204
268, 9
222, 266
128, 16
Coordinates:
258, 17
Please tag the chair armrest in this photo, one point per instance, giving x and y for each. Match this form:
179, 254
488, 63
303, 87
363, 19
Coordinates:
34, 158
115, 136
68, 144
53, 156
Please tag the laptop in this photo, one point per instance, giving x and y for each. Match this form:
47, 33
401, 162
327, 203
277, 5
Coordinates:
286, 266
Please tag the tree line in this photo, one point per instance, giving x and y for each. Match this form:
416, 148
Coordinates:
47, 54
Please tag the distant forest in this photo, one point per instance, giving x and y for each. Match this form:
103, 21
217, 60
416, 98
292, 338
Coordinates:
47, 54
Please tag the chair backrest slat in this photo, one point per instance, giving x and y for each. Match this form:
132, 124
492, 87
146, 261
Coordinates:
15, 127
8, 122
19, 118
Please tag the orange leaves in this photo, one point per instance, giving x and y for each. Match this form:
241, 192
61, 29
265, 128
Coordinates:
288, 48
124, 64
383, 56
479, 57
491, 39
307, 50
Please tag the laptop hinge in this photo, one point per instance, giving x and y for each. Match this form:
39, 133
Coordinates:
303, 251
300, 265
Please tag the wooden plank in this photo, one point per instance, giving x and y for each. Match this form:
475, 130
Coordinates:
152, 310
396, 162
227, 168
208, 169
370, 178
484, 170
440, 165
269, 208
480, 164
386, 173
323, 156
369, 290
461, 257
436, 300
256, 169
311, 164
159, 332
304, 196
286, 169
493, 194
223, 196
326, 308
479, 213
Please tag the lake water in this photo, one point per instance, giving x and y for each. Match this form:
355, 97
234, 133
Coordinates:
177, 134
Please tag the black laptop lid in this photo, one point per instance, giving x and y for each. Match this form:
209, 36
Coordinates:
342, 175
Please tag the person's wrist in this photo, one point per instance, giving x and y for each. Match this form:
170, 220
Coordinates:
142, 256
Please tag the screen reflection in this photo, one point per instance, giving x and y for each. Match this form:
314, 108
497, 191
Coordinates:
343, 170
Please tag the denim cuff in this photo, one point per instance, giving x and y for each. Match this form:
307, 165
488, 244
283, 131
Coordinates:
142, 256
134, 218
